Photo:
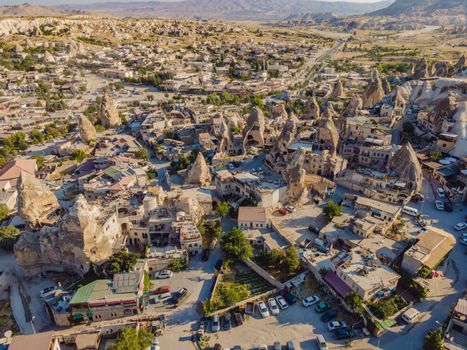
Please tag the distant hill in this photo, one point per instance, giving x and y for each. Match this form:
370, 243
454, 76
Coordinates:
28, 10
228, 9
424, 8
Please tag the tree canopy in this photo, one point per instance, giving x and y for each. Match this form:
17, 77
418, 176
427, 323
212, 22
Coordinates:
121, 261
236, 246
332, 210
8, 236
434, 340
222, 209
4, 212
132, 339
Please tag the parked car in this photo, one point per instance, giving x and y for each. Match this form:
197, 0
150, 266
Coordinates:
290, 298
205, 255
161, 297
273, 306
282, 211
281, 302
342, 334
322, 306
47, 290
277, 346
463, 240
161, 290
460, 226
237, 347
227, 322
179, 295
334, 325
290, 209
321, 342
215, 324
163, 274
311, 300
411, 315
314, 228
263, 347
290, 345
440, 192
439, 205
328, 316
263, 310
448, 206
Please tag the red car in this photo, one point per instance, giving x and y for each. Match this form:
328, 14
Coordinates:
283, 211
161, 290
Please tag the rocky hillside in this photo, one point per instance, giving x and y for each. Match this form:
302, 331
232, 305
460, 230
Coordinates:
424, 8
28, 10
228, 9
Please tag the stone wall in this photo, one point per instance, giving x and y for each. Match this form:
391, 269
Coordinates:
271, 280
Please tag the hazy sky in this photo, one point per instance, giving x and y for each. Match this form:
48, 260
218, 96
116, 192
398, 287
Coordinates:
56, 2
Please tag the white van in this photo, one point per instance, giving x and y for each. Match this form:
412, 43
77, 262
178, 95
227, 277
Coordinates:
410, 315
321, 342
410, 211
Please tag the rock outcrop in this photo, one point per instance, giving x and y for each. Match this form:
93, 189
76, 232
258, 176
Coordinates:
35, 200
312, 109
441, 69
87, 131
297, 192
421, 69
374, 91
277, 157
253, 132
338, 90
226, 138
77, 241
199, 173
109, 112
328, 136
353, 107
386, 85
459, 67
406, 165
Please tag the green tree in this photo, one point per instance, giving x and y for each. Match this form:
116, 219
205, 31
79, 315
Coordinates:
121, 261
79, 155
132, 339
178, 264
143, 154
4, 212
434, 340
147, 281
354, 302
236, 246
435, 155
332, 210
291, 260
40, 160
222, 209
8, 237
37, 136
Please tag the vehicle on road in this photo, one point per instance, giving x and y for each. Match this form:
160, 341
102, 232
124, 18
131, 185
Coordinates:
227, 322
409, 211
460, 226
215, 324
281, 302
273, 306
322, 307
321, 342
237, 347
314, 228
439, 205
311, 300
263, 347
290, 209
290, 298
290, 345
47, 290
410, 315
277, 346
164, 274
342, 334
263, 310
179, 295
282, 211
328, 316
463, 241
334, 325
161, 290
160, 297
440, 192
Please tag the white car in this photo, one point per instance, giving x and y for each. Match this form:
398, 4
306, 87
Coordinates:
281, 302
311, 300
333, 325
46, 291
290, 208
464, 240
263, 347
440, 192
439, 205
273, 306
460, 226
164, 274
215, 324
263, 310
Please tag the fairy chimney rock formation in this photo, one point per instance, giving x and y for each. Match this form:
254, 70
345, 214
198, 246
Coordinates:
374, 91
109, 112
253, 132
199, 173
406, 165
87, 131
338, 91
35, 200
